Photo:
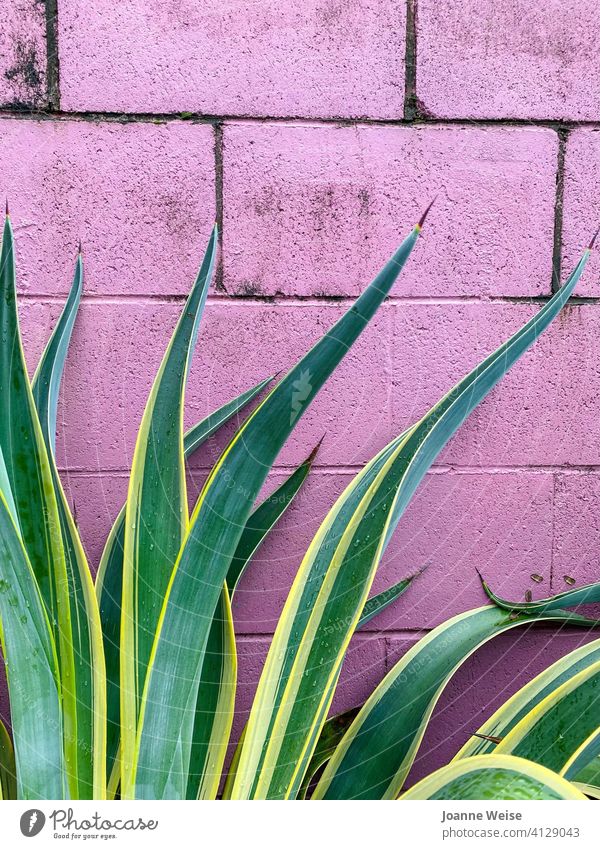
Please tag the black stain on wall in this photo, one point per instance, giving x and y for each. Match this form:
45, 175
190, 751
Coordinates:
25, 76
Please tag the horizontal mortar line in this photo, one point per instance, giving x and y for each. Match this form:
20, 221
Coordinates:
249, 636
447, 469
406, 632
393, 298
211, 119
531, 468
307, 300
330, 469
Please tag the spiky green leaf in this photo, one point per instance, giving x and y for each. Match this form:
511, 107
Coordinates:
32, 671
335, 576
109, 580
166, 725
156, 512
31, 476
8, 769
48, 375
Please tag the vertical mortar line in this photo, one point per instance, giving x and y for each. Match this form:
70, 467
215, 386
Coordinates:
388, 652
219, 201
410, 62
52, 62
563, 133
553, 517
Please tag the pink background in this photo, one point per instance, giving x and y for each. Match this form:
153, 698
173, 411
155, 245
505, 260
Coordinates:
315, 133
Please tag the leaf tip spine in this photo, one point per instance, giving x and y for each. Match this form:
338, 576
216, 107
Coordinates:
420, 570
309, 460
593, 240
488, 737
484, 583
422, 219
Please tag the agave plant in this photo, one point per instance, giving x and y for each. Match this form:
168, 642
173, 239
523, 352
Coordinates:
125, 688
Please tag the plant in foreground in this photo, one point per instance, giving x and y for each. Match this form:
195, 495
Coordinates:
126, 688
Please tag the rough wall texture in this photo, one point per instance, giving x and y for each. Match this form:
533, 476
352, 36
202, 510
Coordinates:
315, 133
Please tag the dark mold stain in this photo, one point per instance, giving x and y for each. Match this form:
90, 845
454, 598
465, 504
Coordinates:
329, 14
267, 202
364, 200
25, 75
323, 204
248, 288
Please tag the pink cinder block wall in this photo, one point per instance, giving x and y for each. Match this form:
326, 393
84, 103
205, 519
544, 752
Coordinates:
314, 134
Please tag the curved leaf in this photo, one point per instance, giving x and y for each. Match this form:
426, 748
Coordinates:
45, 385
588, 790
588, 594
589, 776
333, 729
553, 731
377, 752
529, 697
498, 777
230, 779
587, 753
